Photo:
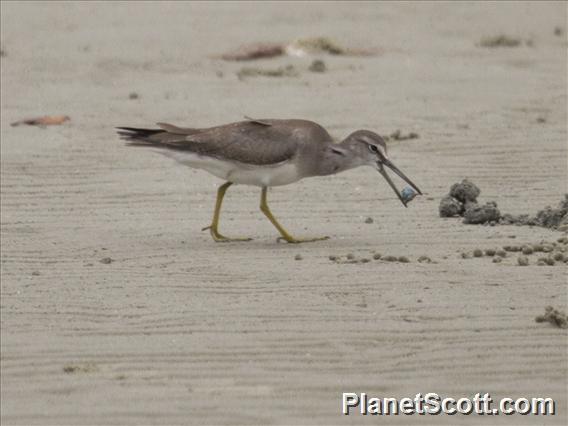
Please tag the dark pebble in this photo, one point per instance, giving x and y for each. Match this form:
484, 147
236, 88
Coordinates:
527, 250
318, 66
523, 261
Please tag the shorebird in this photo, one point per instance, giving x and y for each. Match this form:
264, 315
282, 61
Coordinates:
267, 153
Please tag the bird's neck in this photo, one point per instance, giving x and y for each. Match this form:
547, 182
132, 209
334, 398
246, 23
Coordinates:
336, 158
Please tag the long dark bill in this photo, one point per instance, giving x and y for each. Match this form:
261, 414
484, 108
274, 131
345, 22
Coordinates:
395, 169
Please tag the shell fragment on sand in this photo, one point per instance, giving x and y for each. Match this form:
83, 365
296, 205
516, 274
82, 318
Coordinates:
408, 194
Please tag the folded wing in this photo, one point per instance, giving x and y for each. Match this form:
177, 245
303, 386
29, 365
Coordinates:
251, 142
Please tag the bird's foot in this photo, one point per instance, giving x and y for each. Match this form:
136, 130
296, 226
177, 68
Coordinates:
220, 238
292, 240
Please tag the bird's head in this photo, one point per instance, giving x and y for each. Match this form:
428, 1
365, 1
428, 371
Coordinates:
370, 149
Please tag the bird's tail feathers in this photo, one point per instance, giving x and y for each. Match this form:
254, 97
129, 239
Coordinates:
140, 137
133, 134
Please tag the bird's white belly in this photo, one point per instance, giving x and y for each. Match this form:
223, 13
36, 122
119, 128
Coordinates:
278, 174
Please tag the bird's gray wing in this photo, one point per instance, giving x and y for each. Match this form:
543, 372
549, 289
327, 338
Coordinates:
249, 142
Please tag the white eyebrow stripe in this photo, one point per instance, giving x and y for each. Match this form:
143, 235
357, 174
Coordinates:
379, 147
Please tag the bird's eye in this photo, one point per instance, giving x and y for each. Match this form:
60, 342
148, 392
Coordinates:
373, 148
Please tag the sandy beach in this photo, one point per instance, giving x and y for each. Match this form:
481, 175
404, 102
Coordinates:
117, 309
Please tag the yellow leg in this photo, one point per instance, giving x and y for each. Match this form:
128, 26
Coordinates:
214, 227
285, 235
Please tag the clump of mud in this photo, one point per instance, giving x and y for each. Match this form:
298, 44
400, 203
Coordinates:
397, 135
488, 213
80, 368
545, 253
553, 316
317, 66
450, 207
465, 191
500, 40
462, 201
554, 218
287, 71
351, 258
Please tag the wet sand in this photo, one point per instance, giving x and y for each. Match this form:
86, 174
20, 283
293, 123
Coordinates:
175, 329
